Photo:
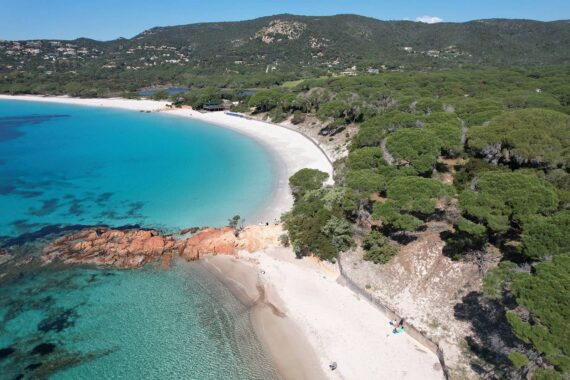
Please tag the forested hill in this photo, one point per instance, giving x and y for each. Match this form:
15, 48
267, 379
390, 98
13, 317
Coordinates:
299, 46
351, 39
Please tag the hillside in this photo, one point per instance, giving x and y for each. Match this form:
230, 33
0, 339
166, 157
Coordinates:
285, 46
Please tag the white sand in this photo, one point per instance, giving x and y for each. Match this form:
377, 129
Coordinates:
340, 326
291, 150
129, 104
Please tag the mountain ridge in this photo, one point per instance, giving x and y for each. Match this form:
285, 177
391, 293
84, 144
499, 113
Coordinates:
289, 46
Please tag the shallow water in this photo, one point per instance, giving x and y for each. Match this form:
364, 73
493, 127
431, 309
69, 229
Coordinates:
62, 164
111, 324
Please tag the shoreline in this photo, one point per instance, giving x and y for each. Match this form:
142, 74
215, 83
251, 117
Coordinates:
127, 104
289, 150
303, 314
279, 336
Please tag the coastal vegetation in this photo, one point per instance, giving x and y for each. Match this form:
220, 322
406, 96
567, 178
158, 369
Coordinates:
319, 221
484, 151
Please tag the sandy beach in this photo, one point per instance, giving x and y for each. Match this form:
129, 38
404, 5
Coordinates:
128, 104
302, 312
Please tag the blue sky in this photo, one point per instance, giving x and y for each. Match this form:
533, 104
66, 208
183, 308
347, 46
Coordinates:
109, 19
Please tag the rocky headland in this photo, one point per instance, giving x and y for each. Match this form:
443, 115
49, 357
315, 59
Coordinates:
134, 248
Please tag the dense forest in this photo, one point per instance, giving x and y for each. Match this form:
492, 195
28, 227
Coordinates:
487, 151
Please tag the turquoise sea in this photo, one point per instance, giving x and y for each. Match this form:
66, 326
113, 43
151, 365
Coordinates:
64, 165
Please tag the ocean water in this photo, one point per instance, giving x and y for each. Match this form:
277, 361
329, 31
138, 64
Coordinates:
65, 165
62, 164
180, 323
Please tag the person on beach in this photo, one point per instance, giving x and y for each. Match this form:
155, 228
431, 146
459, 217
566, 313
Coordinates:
398, 326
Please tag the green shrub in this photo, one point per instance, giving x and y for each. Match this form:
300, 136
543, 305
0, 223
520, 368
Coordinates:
390, 215
546, 374
415, 194
497, 280
503, 197
298, 117
306, 180
366, 181
518, 359
378, 248
545, 295
546, 236
316, 224
277, 116
532, 136
366, 158
334, 109
284, 240
450, 136
240, 107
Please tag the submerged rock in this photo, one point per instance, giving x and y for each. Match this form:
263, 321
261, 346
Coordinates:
43, 349
33, 366
6, 351
58, 322
191, 230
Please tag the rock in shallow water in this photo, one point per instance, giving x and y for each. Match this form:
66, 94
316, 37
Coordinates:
58, 322
135, 248
5, 352
43, 349
33, 366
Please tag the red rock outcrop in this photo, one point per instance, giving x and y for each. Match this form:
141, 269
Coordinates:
104, 246
225, 241
135, 248
209, 240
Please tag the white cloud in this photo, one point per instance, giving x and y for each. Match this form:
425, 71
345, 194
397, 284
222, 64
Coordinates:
429, 19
